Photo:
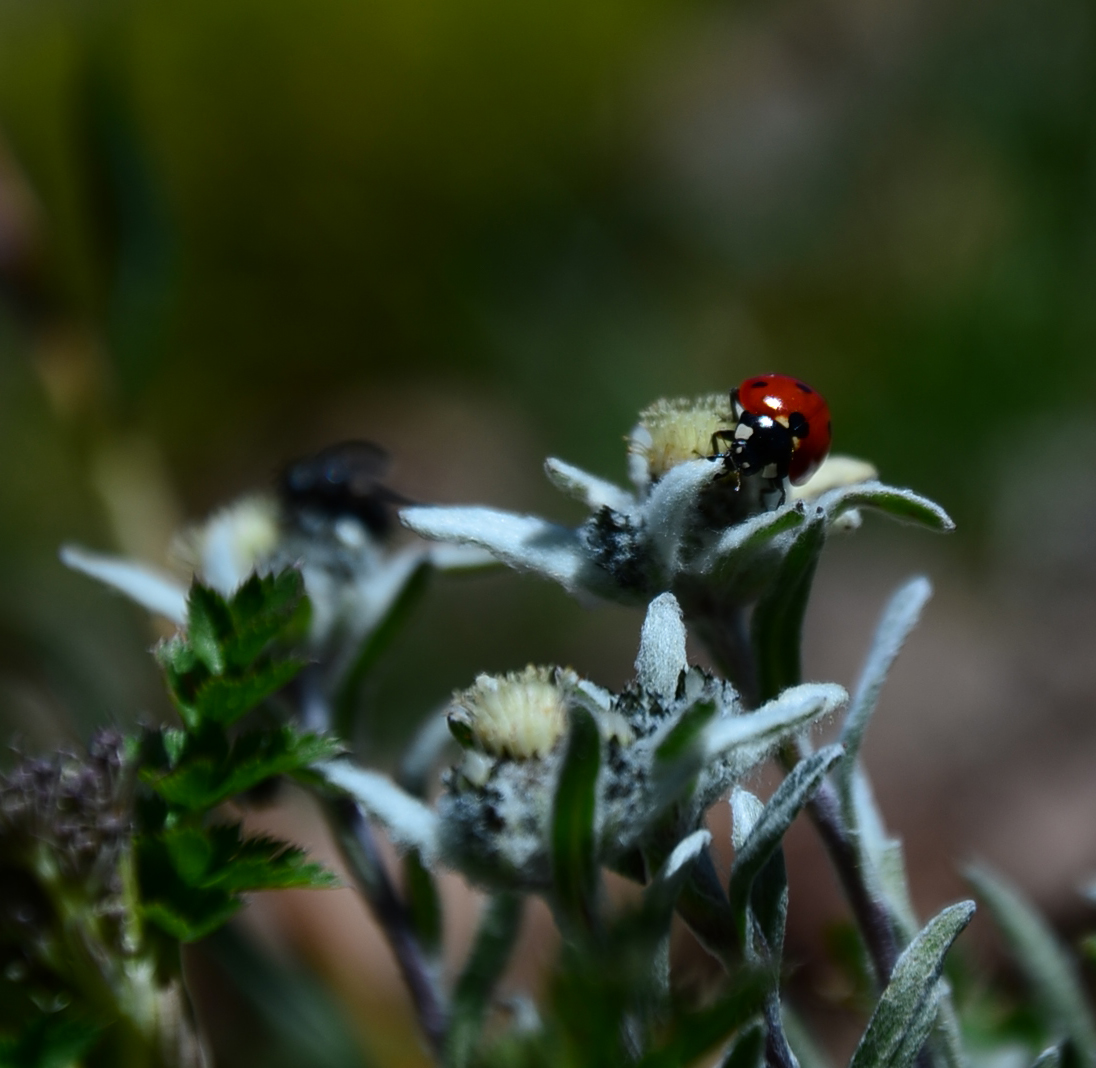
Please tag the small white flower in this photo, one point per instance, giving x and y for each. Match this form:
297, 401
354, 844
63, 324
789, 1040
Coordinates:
353, 579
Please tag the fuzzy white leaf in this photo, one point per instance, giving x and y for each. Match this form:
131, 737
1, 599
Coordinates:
592, 491
901, 504
661, 658
410, 824
898, 620
460, 558
150, 587
790, 712
746, 809
524, 542
904, 1014
661, 893
671, 509
748, 535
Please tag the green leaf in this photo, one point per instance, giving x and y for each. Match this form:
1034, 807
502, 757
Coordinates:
224, 699
802, 1042
692, 1034
495, 938
747, 1050
50, 1040
898, 620
375, 643
777, 623
764, 838
686, 732
191, 917
574, 852
202, 780
208, 626
1043, 961
906, 1010
898, 503
259, 863
423, 903
265, 608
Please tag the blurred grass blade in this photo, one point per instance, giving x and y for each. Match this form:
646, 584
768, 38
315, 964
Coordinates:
898, 620
806, 1050
1046, 965
775, 819
495, 938
692, 1034
748, 1049
306, 1026
1049, 1058
574, 859
777, 624
900, 1015
375, 643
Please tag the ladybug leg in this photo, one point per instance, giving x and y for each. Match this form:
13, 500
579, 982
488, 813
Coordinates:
721, 435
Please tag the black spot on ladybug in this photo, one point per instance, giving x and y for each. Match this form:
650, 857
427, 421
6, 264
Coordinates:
798, 425
804, 387
759, 384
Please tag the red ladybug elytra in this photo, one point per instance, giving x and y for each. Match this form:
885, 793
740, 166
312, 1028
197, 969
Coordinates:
782, 429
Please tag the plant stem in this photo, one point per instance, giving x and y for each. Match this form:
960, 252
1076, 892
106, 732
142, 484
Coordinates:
359, 848
872, 916
778, 1054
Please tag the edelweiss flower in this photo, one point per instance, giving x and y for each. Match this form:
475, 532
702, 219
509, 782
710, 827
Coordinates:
354, 577
672, 743
686, 520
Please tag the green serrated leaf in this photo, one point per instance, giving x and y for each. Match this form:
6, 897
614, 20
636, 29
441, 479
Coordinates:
266, 608
205, 779
261, 863
224, 699
777, 623
191, 852
193, 919
913, 990
208, 626
495, 938
1043, 961
574, 856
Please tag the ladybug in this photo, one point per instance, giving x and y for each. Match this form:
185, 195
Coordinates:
782, 430
343, 480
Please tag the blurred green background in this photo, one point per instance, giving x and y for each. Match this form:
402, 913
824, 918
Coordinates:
480, 231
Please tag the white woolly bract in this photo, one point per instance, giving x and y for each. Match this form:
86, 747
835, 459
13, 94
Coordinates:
519, 715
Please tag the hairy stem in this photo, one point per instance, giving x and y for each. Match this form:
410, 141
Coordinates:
359, 848
778, 1054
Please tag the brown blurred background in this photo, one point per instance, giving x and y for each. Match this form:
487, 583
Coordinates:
479, 232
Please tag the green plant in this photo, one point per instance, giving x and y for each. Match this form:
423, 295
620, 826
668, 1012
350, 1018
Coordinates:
557, 780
